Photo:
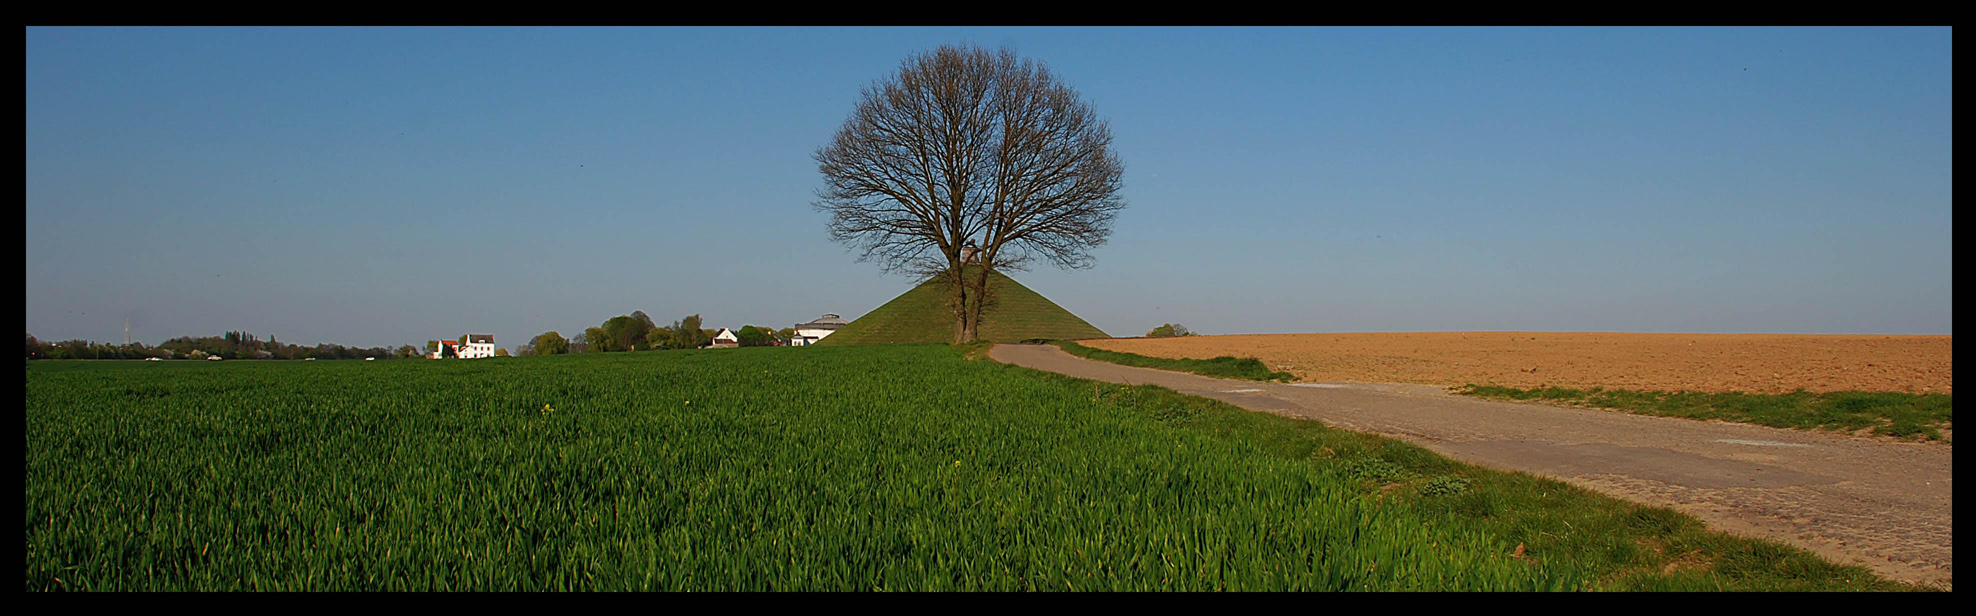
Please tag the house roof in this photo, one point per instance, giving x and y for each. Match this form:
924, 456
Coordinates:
480, 338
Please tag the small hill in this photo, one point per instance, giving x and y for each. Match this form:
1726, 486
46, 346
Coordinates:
921, 316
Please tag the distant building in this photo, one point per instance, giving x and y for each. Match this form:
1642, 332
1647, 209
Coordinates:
726, 339
808, 333
477, 346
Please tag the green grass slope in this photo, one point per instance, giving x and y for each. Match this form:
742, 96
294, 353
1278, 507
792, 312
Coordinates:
921, 316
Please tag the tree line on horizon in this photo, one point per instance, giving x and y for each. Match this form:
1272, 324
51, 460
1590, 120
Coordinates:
1169, 330
230, 345
638, 332
633, 332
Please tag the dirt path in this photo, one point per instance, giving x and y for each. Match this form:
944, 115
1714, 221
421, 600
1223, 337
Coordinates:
1877, 503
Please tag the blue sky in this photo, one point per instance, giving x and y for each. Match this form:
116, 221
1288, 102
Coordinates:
392, 185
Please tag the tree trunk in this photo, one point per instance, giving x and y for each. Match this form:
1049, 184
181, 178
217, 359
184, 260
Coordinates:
976, 283
968, 298
957, 300
971, 318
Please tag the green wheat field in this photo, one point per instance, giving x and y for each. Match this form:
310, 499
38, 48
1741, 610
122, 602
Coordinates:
851, 468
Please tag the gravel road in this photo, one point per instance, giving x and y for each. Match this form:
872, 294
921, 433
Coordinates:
1879, 503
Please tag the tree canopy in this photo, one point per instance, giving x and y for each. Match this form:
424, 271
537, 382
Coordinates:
970, 157
1169, 330
549, 343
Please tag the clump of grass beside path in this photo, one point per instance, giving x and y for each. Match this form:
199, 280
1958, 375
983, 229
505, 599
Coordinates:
1902, 415
1248, 368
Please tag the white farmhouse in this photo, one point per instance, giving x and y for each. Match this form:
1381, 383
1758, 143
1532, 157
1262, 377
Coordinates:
477, 346
808, 333
726, 339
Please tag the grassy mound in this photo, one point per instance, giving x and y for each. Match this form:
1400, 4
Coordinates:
921, 316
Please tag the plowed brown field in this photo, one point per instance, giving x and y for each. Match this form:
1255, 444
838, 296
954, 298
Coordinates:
1755, 363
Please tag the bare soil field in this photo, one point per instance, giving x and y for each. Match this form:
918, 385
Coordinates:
1752, 363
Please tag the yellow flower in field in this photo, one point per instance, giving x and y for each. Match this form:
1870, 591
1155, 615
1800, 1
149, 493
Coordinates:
957, 463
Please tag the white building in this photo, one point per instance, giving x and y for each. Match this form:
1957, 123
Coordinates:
808, 333
477, 346
726, 339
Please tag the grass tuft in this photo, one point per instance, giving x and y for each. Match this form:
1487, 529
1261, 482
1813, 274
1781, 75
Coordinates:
1248, 368
1901, 415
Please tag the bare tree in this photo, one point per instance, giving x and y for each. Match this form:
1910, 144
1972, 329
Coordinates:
967, 156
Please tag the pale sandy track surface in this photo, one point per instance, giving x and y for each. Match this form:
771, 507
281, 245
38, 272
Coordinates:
1879, 503
1756, 363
